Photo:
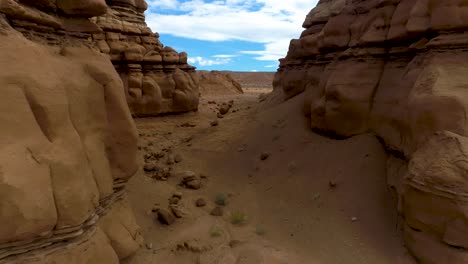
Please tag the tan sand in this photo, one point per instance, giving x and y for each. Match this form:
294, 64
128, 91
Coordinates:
313, 200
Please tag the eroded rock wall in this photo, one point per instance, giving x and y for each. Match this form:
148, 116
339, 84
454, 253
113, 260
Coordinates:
157, 79
68, 142
397, 69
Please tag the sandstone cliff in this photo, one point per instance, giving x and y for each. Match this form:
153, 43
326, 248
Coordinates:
216, 82
157, 79
397, 69
67, 144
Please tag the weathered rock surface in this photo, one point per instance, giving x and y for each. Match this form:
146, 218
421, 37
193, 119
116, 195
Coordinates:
68, 142
157, 79
217, 82
396, 69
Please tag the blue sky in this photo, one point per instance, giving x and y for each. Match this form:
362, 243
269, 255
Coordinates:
238, 35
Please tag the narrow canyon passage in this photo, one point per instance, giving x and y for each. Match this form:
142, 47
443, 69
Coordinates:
305, 198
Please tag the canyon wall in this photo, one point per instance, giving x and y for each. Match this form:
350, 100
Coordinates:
397, 69
68, 143
157, 79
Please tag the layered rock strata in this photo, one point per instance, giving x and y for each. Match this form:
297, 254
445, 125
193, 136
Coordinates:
157, 79
395, 68
68, 143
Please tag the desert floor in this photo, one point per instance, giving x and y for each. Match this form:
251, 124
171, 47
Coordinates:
311, 200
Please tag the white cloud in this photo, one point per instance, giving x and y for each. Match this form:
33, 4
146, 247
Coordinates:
164, 4
271, 66
270, 22
225, 56
208, 62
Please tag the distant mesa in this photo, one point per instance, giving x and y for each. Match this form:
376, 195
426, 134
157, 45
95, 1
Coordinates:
217, 82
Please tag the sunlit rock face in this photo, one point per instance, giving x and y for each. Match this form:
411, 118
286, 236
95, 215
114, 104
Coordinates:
157, 79
67, 142
396, 69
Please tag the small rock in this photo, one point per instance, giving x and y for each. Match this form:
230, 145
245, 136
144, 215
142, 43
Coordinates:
224, 109
211, 102
190, 180
264, 155
217, 211
354, 219
165, 217
174, 200
158, 155
149, 246
155, 208
193, 184
192, 246
177, 211
332, 184
177, 194
187, 175
187, 139
188, 124
200, 202
178, 158
219, 115
214, 123
149, 167
234, 243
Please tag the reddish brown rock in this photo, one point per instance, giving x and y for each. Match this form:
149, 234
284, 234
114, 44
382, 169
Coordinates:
395, 69
157, 79
70, 144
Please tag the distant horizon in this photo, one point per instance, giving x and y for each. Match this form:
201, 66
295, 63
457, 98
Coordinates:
221, 70
229, 35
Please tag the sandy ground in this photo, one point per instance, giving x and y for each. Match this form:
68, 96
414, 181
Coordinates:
313, 200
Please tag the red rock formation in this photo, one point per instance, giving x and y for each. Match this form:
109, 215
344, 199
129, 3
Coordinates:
68, 142
157, 79
396, 69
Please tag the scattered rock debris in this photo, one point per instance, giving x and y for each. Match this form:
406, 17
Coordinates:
165, 217
200, 202
217, 211
190, 180
264, 155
